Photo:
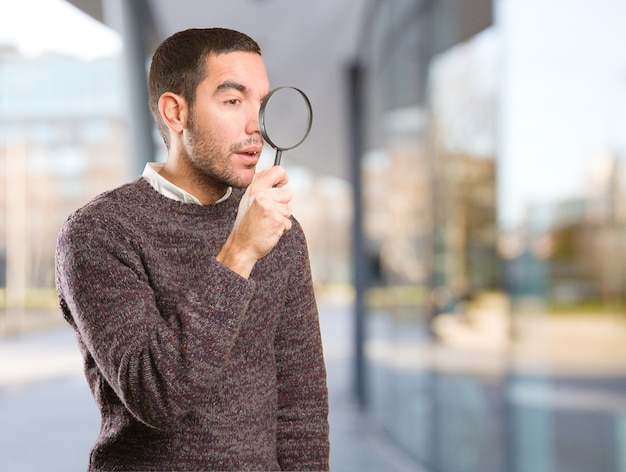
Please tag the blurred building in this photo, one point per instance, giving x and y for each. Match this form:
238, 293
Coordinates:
494, 217
62, 141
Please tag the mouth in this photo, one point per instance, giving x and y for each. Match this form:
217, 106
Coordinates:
250, 155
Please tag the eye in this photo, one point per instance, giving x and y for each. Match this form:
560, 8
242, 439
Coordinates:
233, 101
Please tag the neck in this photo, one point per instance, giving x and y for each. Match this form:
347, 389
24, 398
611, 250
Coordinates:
206, 190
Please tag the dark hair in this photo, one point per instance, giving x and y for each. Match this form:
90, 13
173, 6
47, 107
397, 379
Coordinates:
179, 64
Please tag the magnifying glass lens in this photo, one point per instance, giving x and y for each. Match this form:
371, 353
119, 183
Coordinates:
285, 119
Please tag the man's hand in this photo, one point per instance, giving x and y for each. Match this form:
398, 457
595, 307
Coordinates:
262, 219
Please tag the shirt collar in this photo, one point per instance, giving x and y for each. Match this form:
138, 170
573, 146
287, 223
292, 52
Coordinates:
168, 189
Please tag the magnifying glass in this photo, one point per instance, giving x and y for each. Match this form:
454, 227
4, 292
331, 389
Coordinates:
285, 119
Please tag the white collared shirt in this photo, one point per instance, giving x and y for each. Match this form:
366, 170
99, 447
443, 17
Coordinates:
168, 189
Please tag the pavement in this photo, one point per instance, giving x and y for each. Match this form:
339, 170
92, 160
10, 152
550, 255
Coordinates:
48, 420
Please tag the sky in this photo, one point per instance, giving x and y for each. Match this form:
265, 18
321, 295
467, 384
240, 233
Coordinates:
37, 27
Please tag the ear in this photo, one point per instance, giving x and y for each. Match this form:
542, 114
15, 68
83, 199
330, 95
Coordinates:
173, 109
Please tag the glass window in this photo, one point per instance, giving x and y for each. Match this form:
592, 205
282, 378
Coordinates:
495, 214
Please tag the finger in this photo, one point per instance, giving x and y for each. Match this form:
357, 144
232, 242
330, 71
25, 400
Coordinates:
288, 225
285, 210
281, 195
275, 176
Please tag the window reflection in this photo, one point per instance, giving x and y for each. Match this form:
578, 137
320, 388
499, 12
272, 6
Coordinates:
497, 328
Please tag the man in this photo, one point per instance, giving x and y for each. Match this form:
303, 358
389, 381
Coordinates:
191, 298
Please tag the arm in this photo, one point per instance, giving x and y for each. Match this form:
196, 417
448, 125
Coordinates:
302, 392
158, 368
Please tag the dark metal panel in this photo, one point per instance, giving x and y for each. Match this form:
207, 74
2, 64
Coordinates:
455, 21
359, 262
92, 7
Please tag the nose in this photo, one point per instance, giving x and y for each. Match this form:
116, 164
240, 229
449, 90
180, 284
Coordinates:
252, 120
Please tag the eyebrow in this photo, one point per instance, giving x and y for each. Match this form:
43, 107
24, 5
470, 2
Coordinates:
231, 85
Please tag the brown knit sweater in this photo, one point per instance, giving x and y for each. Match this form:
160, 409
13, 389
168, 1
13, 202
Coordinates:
192, 366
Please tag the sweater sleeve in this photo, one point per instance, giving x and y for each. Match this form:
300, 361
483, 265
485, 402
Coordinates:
158, 368
302, 393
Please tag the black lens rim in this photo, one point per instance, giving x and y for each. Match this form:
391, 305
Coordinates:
262, 125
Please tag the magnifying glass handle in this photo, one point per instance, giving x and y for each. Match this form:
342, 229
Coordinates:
279, 154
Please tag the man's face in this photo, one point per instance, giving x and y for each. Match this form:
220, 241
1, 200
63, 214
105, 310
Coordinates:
222, 137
